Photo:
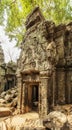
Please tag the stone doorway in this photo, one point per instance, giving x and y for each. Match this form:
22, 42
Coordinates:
33, 97
32, 87
29, 88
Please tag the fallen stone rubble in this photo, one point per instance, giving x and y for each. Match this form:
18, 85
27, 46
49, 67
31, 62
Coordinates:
7, 97
29, 121
59, 119
8, 102
55, 120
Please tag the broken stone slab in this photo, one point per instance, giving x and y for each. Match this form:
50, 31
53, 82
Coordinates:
5, 112
14, 95
8, 98
2, 125
66, 127
13, 91
14, 102
66, 109
28, 128
2, 101
55, 120
69, 117
29, 121
3, 94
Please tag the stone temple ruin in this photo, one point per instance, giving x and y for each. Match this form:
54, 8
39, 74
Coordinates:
44, 74
7, 73
2, 72
10, 75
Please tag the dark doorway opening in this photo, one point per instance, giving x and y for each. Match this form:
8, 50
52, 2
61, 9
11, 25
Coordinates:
8, 85
48, 129
35, 95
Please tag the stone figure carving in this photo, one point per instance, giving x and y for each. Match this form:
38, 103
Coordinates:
51, 52
48, 59
51, 57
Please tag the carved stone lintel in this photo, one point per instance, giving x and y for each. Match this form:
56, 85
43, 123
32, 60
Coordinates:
44, 75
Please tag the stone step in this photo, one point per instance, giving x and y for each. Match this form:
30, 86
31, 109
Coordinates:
5, 112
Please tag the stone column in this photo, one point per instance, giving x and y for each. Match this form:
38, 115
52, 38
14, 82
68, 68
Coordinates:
54, 87
19, 84
14, 81
43, 102
2, 84
69, 86
23, 99
61, 86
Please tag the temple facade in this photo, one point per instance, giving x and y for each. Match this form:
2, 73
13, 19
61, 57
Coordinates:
44, 74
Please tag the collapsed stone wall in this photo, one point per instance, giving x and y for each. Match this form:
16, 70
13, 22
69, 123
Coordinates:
7, 73
10, 75
53, 63
2, 72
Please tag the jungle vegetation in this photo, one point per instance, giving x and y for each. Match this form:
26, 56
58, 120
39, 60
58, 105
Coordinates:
13, 14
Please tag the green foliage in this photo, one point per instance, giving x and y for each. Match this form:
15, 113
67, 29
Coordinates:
13, 14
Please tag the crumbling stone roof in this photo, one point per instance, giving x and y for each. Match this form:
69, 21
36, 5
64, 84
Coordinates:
34, 17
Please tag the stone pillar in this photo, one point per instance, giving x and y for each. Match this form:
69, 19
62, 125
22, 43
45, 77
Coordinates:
61, 85
54, 87
14, 81
23, 99
43, 102
69, 86
19, 84
2, 84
